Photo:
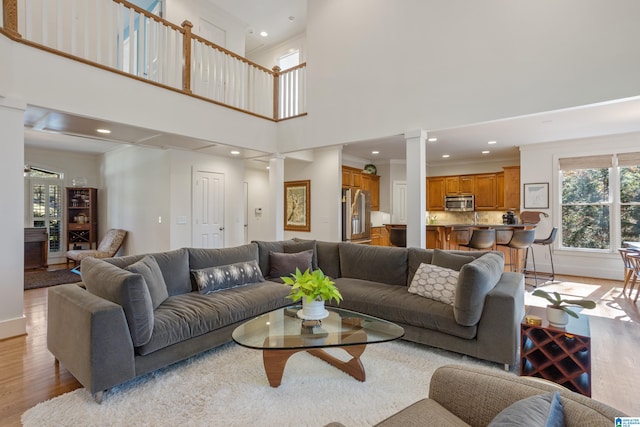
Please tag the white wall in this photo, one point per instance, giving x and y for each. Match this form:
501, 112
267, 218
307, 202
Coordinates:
539, 164
432, 64
268, 58
70, 163
12, 320
325, 175
135, 196
260, 225
177, 11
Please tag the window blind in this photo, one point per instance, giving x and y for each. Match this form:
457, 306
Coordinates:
586, 162
628, 159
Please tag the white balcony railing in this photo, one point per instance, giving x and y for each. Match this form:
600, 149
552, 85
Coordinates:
118, 36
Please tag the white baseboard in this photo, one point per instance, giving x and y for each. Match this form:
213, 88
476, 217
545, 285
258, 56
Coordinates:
13, 327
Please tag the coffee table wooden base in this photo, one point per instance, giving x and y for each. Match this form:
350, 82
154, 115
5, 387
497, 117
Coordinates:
275, 361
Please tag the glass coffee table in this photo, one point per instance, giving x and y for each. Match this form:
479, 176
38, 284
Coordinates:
281, 334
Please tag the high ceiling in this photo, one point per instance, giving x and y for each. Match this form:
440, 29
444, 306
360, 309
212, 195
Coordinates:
463, 145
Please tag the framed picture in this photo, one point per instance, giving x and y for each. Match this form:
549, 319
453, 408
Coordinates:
297, 205
536, 195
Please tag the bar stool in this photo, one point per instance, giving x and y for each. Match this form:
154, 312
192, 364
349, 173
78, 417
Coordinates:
628, 267
481, 239
520, 239
544, 242
398, 237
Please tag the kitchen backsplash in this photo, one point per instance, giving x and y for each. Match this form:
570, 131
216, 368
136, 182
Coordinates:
484, 217
379, 218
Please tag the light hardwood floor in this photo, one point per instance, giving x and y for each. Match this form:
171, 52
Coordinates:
28, 374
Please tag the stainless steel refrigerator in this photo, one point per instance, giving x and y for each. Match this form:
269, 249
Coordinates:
356, 215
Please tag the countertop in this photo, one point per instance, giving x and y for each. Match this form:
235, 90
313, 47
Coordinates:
483, 225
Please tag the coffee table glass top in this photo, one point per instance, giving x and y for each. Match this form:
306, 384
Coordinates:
283, 329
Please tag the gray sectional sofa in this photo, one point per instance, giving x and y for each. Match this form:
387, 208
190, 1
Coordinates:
135, 314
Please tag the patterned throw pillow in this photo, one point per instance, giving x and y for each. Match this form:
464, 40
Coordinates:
437, 283
227, 276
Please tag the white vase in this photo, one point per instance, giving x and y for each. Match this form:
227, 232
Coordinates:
557, 317
313, 310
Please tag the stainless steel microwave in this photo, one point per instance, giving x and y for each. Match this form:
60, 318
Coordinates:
459, 203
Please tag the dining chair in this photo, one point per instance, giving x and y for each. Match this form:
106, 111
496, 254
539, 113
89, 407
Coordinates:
627, 263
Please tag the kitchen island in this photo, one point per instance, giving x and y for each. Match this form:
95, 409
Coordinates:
450, 236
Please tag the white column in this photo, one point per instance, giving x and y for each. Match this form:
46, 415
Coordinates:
276, 189
12, 320
416, 188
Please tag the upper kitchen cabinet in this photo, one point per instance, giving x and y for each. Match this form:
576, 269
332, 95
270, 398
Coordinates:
463, 184
351, 177
355, 178
486, 192
371, 183
511, 189
436, 190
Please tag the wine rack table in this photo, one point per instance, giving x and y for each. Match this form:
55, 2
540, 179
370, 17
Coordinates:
555, 354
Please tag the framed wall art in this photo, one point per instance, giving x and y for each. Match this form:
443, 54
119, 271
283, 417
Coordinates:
536, 195
297, 205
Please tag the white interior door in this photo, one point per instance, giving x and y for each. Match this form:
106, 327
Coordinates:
399, 197
208, 210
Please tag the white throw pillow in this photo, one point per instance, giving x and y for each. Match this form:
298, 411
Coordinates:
438, 283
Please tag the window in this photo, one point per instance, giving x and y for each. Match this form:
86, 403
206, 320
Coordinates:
45, 189
600, 201
289, 60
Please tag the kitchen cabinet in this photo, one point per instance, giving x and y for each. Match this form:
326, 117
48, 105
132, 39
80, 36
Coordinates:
371, 183
511, 190
462, 184
380, 236
500, 190
485, 192
351, 177
435, 193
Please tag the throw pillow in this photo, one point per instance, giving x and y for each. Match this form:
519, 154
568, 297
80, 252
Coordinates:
283, 264
213, 279
302, 245
124, 288
437, 283
148, 268
544, 410
450, 260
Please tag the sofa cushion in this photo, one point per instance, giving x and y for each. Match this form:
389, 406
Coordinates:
329, 258
438, 283
302, 245
124, 288
395, 304
173, 264
475, 281
544, 410
200, 258
450, 260
185, 316
415, 257
213, 279
283, 264
148, 268
377, 263
264, 249
422, 413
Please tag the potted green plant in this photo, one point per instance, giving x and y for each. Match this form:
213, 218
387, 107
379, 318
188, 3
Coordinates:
558, 310
313, 288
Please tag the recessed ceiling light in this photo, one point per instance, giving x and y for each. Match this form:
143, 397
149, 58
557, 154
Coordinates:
375, 152
486, 152
264, 33
432, 139
235, 153
103, 131
445, 156
268, 167
492, 142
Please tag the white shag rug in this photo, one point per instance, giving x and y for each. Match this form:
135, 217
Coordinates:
227, 386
